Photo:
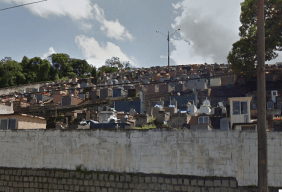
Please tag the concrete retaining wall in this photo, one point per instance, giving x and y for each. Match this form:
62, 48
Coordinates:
178, 152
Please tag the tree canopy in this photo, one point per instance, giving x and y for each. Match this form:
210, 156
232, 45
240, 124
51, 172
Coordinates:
55, 67
114, 64
242, 57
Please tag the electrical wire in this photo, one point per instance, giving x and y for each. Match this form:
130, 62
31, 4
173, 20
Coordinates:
22, 5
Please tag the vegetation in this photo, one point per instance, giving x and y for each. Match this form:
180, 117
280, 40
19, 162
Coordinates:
56, 66
82, 169
242, 57
148, 126
114, 64
151, 124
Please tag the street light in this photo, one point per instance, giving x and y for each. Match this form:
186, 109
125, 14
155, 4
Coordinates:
168, 36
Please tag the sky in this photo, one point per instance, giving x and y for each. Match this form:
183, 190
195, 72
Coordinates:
97, 30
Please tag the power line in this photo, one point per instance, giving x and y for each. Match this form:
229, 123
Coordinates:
22, 5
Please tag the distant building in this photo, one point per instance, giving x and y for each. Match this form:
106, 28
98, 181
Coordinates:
22, 121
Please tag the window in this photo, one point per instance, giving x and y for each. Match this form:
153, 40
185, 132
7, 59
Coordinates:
236, 107
203, 119
8, 123
244, 108
13, 124
4, 124
240, 107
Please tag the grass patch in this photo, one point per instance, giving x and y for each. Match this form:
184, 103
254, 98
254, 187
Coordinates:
149, 126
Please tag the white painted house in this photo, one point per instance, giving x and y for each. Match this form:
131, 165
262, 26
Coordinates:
240, 110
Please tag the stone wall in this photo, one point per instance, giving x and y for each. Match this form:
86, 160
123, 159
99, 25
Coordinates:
172, 152
37, 180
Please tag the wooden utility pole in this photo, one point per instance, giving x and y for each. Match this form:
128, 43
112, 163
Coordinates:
261, 98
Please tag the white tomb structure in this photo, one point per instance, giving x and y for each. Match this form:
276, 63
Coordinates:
205, 108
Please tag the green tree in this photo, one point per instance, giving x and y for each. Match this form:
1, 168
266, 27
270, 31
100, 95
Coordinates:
93, 72
80, 67
10, 73
61, 62
242, 57
114, 62
107, 69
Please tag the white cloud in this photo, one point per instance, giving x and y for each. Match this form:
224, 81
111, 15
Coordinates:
50, 52
81, 11
74, 9
210, 27
113, 29
85, 26
185, 54
97, 54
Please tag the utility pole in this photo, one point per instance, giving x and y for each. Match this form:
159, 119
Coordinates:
261, 98
168, 36
168, 50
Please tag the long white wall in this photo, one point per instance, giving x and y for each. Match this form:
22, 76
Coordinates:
228, 154
7, 91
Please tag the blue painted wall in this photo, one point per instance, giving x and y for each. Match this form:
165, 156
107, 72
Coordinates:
127, 105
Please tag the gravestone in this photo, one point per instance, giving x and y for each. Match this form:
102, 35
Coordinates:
141, 95
279, 102
173, 102
184, 107
131, 92
218, 111
270, 105
224, 124
160, 102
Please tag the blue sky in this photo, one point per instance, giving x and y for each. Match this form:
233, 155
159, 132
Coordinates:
97, 30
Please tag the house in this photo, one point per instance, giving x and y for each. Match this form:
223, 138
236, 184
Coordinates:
201, 122
165, 88
21, 121
240, 110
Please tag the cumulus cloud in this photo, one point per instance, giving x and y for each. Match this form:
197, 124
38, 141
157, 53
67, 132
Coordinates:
211, 29
85, 26
82, 12
97, 54
74, 9
113, 29
50, 52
